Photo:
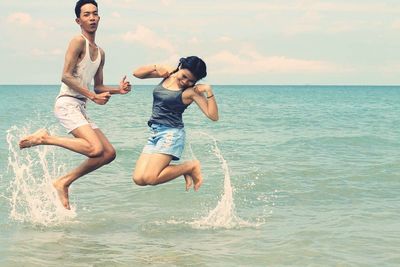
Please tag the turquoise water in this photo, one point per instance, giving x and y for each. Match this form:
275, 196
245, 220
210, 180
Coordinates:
294, 176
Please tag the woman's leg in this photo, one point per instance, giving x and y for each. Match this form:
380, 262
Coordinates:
154, 169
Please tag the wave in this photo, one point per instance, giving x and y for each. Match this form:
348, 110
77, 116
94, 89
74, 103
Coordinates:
32, 197
224, 214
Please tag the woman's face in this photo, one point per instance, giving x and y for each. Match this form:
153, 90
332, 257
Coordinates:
185, 78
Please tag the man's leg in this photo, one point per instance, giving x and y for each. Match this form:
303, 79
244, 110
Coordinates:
108, 154
85, 142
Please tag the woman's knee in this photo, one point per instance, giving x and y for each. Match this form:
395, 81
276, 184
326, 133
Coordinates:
145, 179
138, 180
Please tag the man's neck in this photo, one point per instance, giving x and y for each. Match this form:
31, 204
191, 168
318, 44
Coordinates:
90, 36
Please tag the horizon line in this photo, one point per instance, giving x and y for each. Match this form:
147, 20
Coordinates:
51, 84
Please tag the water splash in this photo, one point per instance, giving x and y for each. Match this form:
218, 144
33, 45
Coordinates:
224, 214
32, 198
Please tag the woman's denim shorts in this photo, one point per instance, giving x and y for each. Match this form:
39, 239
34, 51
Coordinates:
165, 140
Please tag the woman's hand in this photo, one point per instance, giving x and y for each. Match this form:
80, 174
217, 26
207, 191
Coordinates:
203, 88
153, 71
206, 103
163, 71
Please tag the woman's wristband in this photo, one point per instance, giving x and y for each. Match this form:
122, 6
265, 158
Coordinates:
210, 96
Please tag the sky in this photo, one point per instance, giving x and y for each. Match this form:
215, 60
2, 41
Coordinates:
291, 42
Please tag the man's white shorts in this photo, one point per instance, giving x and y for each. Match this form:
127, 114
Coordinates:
72, 113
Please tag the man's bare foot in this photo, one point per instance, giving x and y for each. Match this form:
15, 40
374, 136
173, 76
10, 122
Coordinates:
196, 175
189, 181
33, 139
62, 192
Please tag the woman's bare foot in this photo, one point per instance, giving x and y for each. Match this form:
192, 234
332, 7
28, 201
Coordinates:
189, 181
62, 192
196, 175
33, 139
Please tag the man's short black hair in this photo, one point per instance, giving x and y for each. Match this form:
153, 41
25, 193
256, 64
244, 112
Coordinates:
80, 3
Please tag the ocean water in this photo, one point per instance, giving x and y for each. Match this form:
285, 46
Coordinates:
294, 176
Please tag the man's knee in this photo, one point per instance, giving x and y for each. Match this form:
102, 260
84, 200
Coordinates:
95, 151
109, 156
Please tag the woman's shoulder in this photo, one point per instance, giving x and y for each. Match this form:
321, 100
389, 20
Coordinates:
191, 94
189, 91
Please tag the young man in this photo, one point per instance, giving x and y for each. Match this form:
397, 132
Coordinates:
84, 61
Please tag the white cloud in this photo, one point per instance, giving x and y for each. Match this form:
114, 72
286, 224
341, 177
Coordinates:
116, 4
318, 5
172, 60
396, 25
314, 16
193, 40
390, 68
43, 53
148, 38
19, 18
253, 63
167, 2
116, 15
321, 38
355, 7
224, 39
27, 23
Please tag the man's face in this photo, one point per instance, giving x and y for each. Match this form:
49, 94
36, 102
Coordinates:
89, 18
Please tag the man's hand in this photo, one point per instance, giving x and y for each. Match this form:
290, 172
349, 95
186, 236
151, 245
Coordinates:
102, 98
124, 86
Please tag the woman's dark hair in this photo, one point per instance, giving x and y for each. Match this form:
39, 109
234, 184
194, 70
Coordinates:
195, 65
81, 3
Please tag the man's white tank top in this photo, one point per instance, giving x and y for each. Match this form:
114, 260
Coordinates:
83, 72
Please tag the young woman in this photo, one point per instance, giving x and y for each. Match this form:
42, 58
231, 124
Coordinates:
171, 97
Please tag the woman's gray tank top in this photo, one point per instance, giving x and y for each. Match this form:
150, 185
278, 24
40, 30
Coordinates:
168, 107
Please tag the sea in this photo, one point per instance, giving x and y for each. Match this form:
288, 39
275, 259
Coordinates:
293, 176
